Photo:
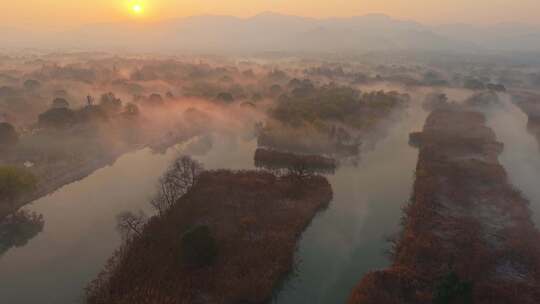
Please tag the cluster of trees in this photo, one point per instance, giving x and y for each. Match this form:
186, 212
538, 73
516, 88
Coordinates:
60, 115
68, 72
326, 119
308, 104
478, 85
18, 228
179, 178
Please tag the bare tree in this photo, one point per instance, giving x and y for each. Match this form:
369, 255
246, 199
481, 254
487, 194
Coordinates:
130, 224
181, 176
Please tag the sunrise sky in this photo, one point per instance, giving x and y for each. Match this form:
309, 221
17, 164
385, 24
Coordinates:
73, 13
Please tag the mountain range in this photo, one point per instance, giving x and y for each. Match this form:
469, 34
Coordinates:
271, 32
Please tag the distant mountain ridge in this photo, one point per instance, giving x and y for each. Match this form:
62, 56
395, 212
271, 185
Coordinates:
285, 33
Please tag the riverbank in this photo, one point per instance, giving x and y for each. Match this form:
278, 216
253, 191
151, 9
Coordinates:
255, 219
467, 233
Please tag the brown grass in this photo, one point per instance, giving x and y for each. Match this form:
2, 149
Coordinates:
464, 217
256, 219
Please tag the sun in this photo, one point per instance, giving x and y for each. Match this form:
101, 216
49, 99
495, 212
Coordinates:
137, 8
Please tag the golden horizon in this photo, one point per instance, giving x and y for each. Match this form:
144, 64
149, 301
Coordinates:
69, 13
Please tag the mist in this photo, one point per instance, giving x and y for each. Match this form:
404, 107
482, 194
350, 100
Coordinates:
269, 158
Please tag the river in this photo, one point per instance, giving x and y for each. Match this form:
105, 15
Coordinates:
338, 248
80, 220
521, 155
349, 239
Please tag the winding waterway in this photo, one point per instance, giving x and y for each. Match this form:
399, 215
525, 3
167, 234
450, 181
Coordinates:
342, 243
80, 220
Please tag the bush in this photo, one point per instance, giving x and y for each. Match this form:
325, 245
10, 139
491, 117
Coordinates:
225, 97
14, 182
57, 118
31, 84
199, 247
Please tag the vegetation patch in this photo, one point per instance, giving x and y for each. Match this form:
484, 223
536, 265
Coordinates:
467, 233
230, 238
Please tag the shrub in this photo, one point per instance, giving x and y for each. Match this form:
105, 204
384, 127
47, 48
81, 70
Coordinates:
8, 135
59, 103
452, 290
198, 247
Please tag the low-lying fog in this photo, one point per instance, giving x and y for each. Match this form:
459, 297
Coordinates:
216, 110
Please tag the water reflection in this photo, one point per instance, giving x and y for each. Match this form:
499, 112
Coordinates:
81, 234
17, 229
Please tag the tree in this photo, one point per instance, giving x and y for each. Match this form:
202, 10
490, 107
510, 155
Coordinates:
31, 84
92, 113
109, 103
59, 103
225, 97
14, 182
57, 118
181, 176
8, 135
130, 224
496, 87
131, 110
451, 289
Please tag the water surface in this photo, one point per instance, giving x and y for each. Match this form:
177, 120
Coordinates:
350, 238
338, 248
80, 220
521, 155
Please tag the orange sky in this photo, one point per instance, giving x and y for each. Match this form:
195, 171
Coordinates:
71, 13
